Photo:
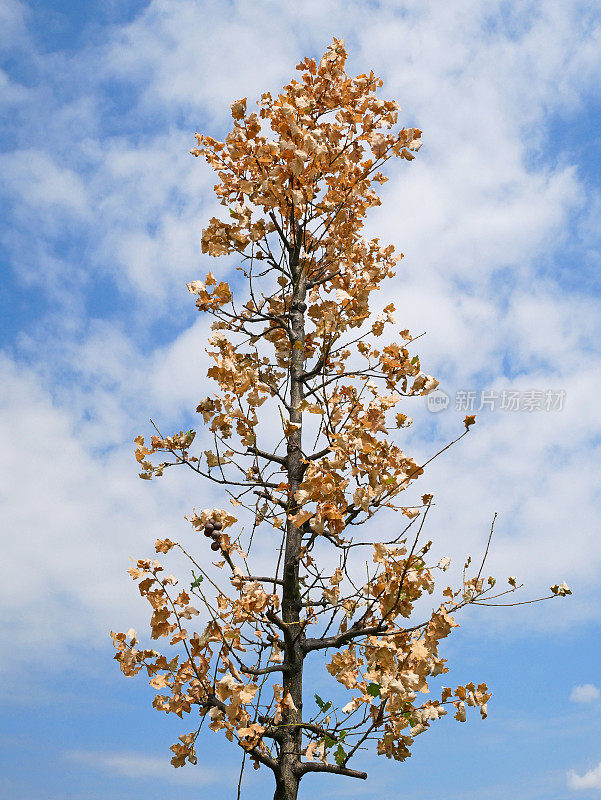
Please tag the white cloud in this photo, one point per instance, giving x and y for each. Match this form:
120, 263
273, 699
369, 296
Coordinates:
165, 51
35, 178
475, 214
586, 693
590, 779
13, 15
11, 91
76, 513
139, 766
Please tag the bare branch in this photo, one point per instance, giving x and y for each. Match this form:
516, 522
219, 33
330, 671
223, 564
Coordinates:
318, 766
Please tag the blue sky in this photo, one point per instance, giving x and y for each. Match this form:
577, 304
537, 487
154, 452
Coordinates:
101, 212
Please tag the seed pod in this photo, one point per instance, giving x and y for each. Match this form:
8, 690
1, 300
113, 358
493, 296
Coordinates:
217, 526
208, 533
209, 528
215, 546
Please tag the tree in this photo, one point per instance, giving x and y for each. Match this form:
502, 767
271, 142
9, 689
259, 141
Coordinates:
302, 429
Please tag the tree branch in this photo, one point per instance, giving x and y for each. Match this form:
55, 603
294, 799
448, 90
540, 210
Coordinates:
317, 766
268, 456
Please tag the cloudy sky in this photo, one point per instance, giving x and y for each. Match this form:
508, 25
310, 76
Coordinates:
101, 212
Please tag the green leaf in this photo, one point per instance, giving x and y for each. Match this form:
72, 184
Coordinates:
198, 579
415, 359
323, 706
374, 690
232, 212
328, 741
339, 755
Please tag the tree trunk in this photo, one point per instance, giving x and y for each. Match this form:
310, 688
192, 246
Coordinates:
290, 747
286, 787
